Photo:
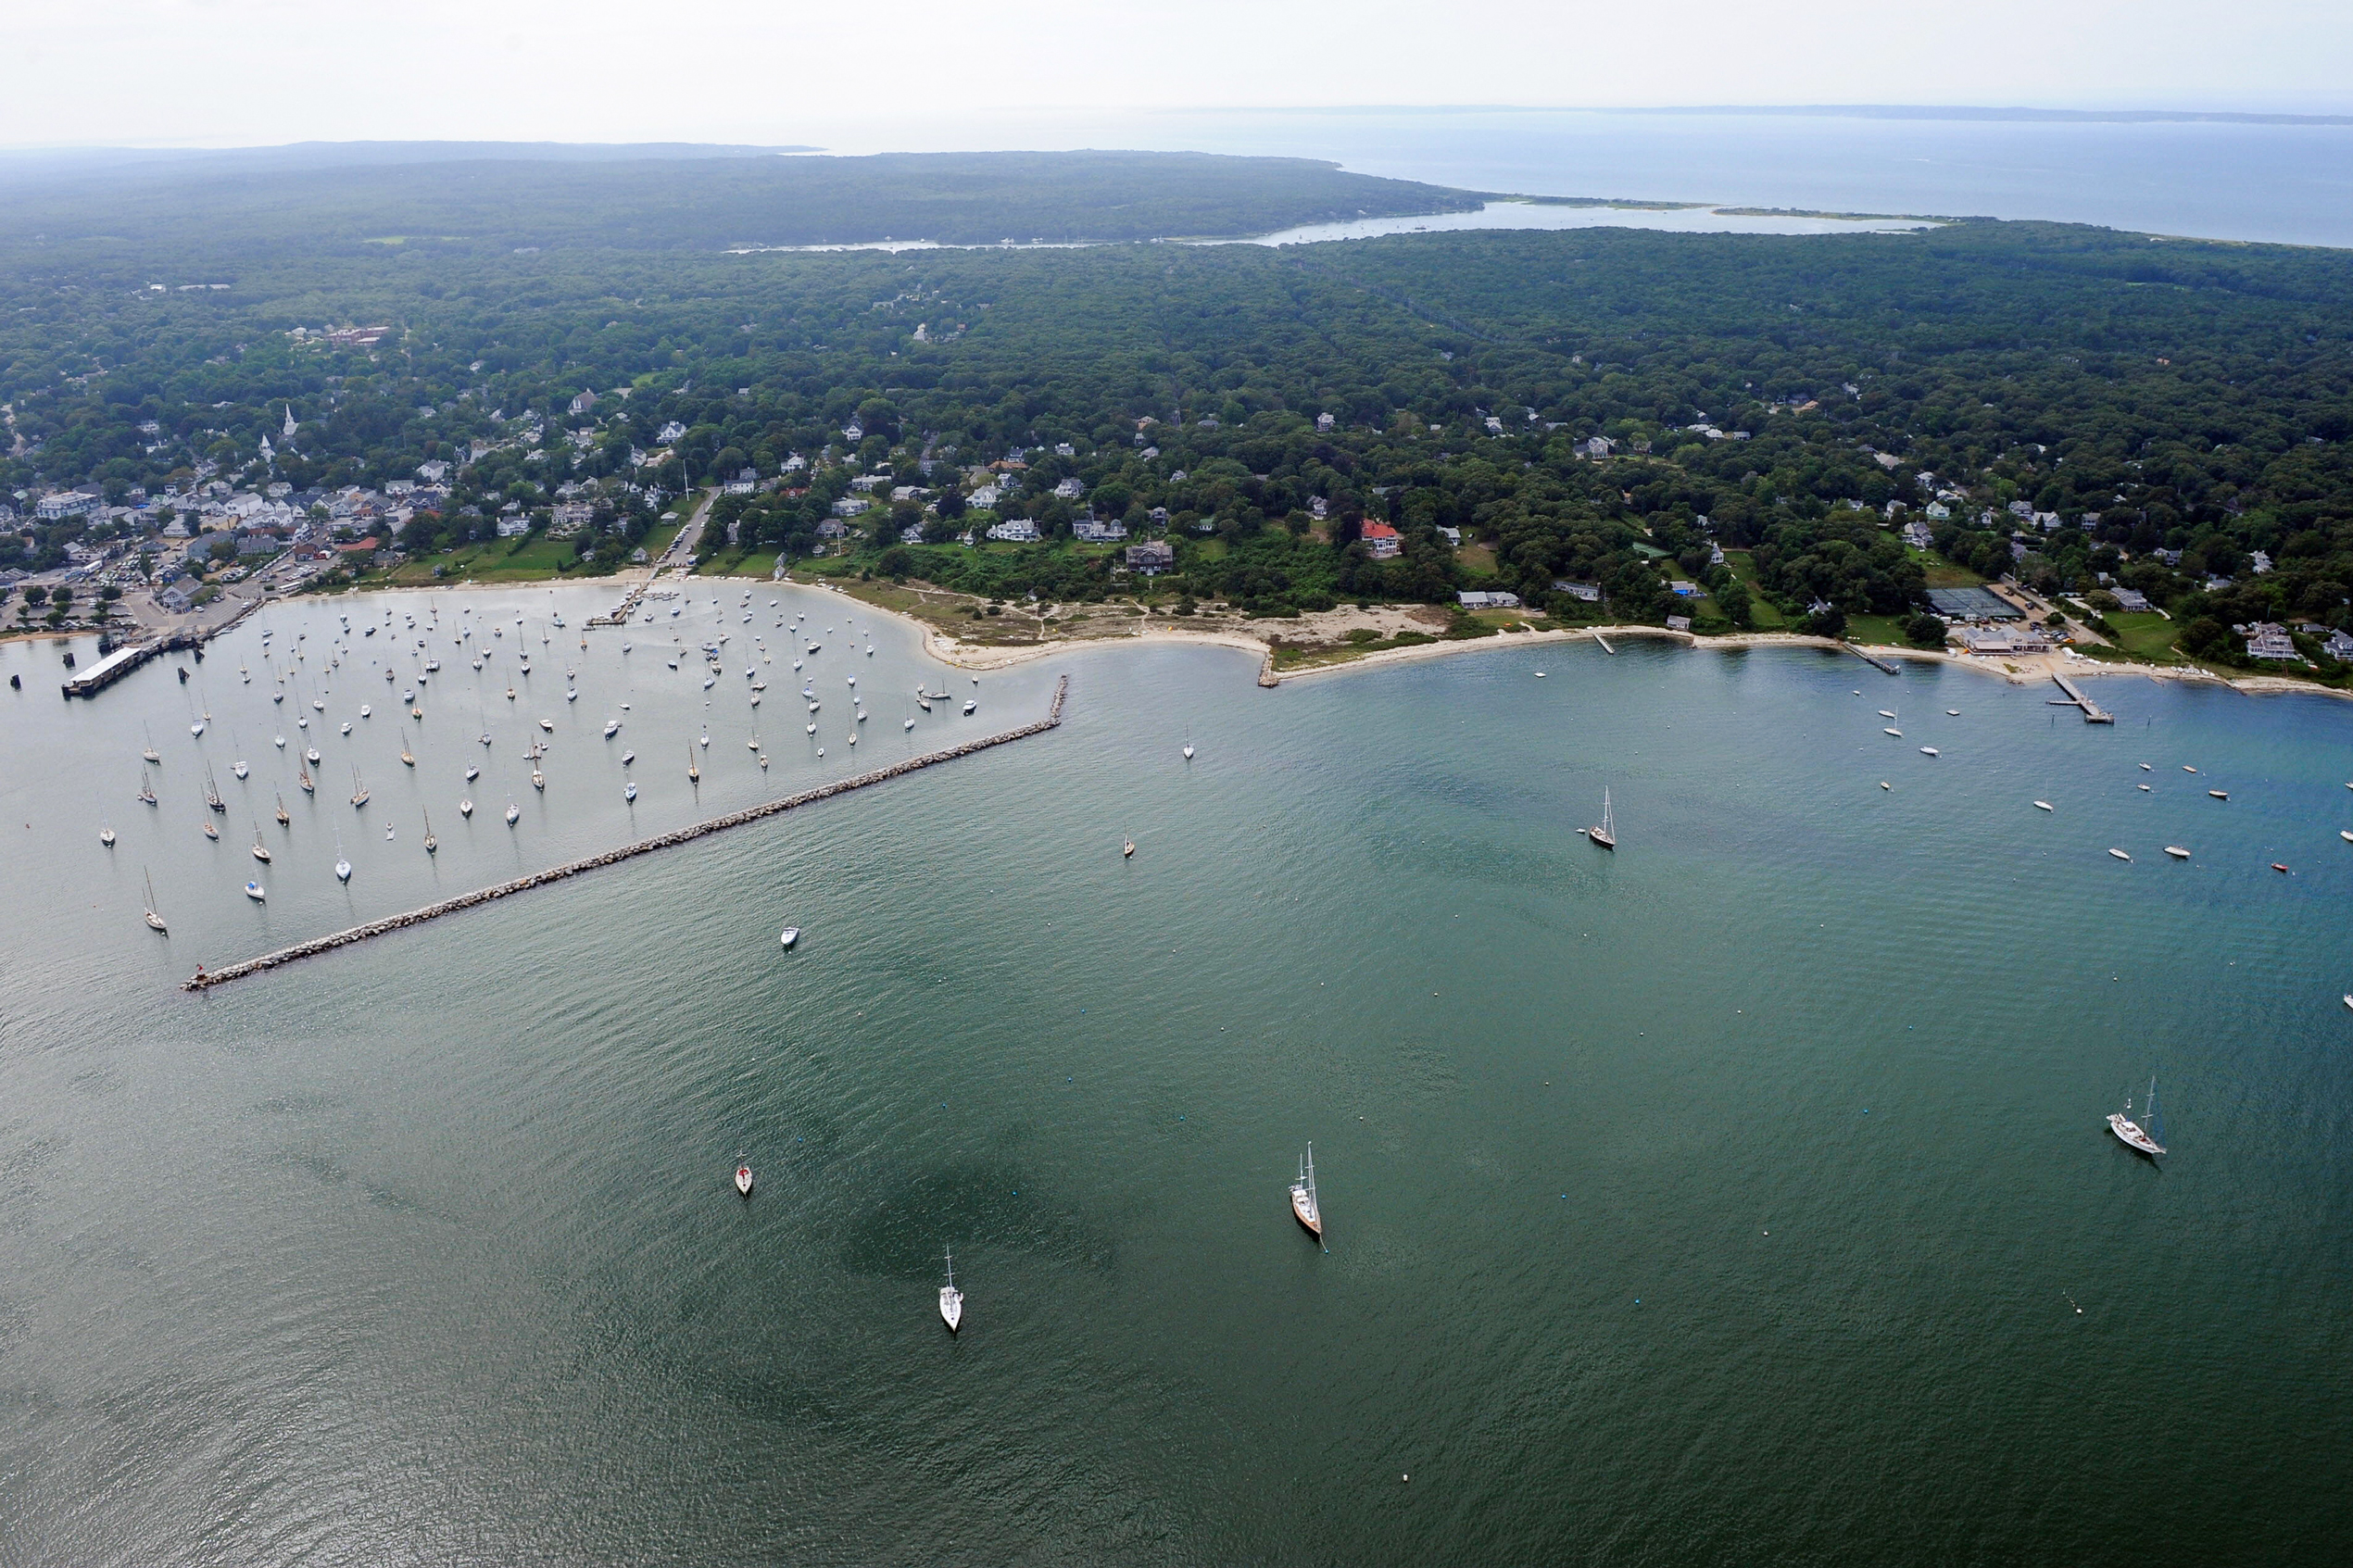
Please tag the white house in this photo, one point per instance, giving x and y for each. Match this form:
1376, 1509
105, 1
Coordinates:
1017, 531
513, 527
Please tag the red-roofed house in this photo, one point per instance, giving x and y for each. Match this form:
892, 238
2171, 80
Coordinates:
1382, 540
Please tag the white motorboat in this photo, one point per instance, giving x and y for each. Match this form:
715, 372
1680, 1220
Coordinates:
473, 774
106, 836
2177, 851
2122, 856
951, 1301
629, 792
1928, 751
972, 704
2045, 806
1303, 1205
612, 728
466, 807
513, 811
791, 935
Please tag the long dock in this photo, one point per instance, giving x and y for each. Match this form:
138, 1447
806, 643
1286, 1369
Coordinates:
1882, 665
205, 980
2093, 712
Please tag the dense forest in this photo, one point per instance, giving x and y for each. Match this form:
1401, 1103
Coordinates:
1607, 407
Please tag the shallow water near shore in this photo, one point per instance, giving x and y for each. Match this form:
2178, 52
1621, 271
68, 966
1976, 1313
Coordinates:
1727, 1198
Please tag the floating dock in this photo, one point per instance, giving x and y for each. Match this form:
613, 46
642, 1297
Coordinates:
205, 980
1604, 642
2093, 712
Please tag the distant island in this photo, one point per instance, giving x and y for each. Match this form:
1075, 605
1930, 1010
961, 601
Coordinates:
1998, 436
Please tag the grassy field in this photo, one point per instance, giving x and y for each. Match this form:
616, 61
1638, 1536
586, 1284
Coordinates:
1763, 616
1883, 628
1941, 573
2145, 634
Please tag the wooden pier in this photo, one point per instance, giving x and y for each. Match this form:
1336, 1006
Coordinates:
2093, 712
1883, 666
1604, 642
204, 980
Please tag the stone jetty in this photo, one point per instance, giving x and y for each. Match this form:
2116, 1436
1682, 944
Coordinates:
204, 980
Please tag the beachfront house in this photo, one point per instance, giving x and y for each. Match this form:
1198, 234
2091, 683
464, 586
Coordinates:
1474, 599
1382, 542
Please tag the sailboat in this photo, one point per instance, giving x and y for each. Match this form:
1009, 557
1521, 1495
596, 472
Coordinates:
343, 866
743, 1176
151, 754
1303, 1206
210, 832
302, 777
212, 792
154, 919
260, 850
146, 790
1188, 745
405, 760
2131, 1133
431, 844
951, 1301
694, 774
358, 790
282, 817
1606, 835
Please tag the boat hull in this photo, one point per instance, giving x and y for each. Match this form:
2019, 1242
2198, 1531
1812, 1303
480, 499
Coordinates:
952, 1307
743, 1180
1302, 1209
2128, 1131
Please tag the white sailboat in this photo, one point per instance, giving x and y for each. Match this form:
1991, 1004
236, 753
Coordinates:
155, 921
343, 866
951, 1301
743, 1176
1304, 1206
2131, 1133
1606, 835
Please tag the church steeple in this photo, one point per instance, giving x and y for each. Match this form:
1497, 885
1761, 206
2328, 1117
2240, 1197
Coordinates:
289, 432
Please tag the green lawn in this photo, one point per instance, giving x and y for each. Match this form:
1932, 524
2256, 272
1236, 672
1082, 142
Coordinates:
2145, 634
1941, 573
1882, 629
1763, 617
759, 563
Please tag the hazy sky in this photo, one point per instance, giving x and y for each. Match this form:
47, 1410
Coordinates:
254, 71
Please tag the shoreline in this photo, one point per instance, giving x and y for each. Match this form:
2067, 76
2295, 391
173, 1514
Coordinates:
981, 658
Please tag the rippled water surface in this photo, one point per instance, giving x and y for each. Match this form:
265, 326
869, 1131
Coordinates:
1730, 1198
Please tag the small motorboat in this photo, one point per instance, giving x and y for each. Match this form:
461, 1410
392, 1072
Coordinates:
2279, 868
791, 935
473, 774
2178, 852
1952, 713
2121, 855
1928, 751
2187, 769
346, 726
466, 807
364, 709
612, 728
512, 812
628, 757
280, 742
310, 754
2044, 806
2143, 788
106, 836
254, 891
2218, 795
629, 792
972, 704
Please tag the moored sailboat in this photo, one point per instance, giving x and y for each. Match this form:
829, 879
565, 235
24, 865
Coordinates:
1303, 1205
155, 921
951, 1301
2131, 1133
1606, 835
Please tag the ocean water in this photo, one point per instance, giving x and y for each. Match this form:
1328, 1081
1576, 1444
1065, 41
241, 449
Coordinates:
1741, 1196
2285, 184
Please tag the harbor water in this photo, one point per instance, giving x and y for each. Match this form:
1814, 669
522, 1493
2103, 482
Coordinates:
1741, 1196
